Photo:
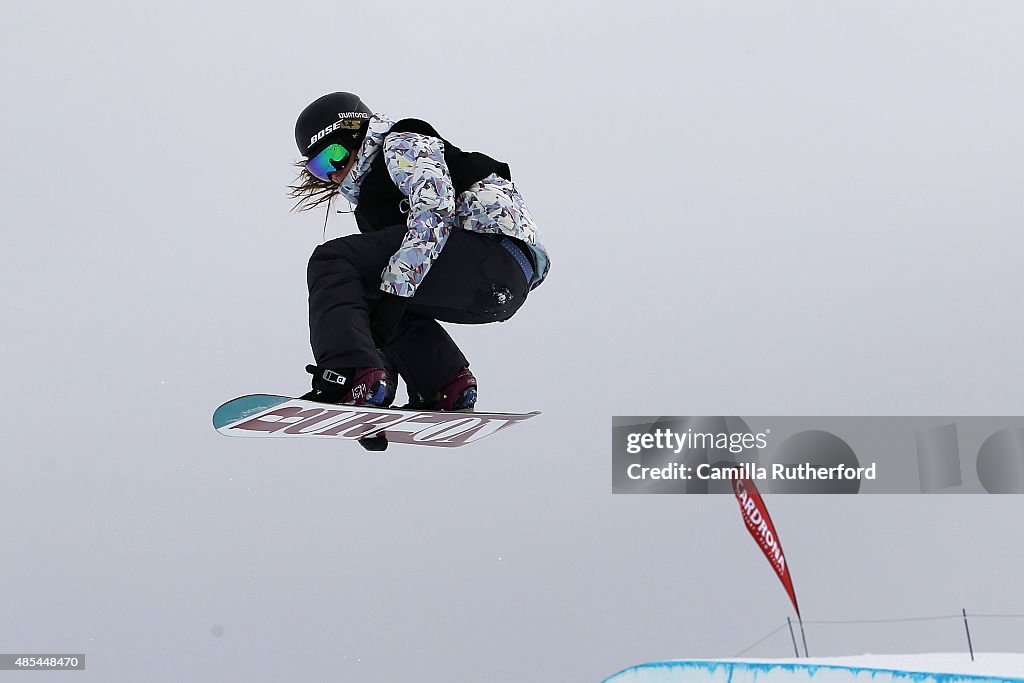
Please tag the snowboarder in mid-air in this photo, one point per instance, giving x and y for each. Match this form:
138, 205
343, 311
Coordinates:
444, 235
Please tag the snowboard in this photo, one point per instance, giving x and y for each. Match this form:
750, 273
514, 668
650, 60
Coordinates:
263, 415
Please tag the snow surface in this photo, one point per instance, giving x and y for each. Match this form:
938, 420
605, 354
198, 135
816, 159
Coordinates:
944, 667
984, 664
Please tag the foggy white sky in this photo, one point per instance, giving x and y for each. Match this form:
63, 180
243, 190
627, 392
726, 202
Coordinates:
752, 209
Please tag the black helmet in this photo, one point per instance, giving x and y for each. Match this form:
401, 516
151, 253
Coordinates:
340, 117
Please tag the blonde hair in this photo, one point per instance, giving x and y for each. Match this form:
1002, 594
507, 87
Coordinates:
309, 192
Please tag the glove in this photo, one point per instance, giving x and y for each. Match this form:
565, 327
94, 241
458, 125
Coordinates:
385, 316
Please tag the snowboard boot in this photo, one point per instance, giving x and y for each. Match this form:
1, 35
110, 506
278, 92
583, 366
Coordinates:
458, 395
355, 386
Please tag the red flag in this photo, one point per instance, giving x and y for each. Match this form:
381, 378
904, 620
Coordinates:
759, 524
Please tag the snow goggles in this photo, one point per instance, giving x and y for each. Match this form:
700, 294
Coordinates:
333, 158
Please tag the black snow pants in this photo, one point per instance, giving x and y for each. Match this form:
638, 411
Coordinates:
474, 280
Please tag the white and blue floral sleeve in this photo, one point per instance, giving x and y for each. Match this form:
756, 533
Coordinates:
416, 164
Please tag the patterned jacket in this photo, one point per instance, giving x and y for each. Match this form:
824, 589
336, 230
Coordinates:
416, 164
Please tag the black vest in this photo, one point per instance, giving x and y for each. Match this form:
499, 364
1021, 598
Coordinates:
381, 202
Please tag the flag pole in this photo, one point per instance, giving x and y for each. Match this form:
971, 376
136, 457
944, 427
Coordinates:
793, 636
968, 629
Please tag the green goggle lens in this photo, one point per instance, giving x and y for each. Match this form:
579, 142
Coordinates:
333, 158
